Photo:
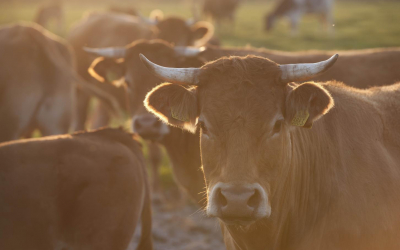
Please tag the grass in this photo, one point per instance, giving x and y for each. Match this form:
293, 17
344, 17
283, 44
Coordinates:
357, 26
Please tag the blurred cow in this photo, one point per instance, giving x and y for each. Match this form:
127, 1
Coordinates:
183, 153
80, 191
124, 10
99, 30
37, 72
220, 9
295, 9
287, 165
51, 11
181, 146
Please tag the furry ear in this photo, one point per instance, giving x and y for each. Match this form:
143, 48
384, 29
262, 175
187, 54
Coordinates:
174, 104
202, 32
107, 69
306, 103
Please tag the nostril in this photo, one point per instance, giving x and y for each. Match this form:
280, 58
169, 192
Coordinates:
221, 199
157, 124
254, 200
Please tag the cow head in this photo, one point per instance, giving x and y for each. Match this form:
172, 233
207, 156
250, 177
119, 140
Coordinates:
181, 32
245, 108
124, 62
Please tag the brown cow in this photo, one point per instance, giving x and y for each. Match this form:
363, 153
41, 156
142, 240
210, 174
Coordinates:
98, 30
37, 73
183, 153
287, 165
219, 10
80, 191
51, 11
385, 62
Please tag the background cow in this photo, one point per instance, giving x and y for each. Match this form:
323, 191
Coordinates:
181, 147
51, 12
80, 191
98, 30
219, 10
290, 166
37, 72
295, 9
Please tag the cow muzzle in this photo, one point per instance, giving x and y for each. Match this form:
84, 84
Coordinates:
149, 127
238, 204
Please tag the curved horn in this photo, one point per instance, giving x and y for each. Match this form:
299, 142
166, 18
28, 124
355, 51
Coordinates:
113, 52
188, 51
305, 71
184, 76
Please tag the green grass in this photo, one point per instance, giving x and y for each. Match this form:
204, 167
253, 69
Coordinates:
357, 25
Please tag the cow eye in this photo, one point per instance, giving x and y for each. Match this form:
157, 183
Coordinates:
277, 126
203, 127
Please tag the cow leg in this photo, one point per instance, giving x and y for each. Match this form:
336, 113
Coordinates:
54, 116
17, 111
294, 18
82, 105
155, 156
101, 117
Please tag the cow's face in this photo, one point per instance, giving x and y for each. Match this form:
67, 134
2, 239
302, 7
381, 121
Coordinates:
184, 33
139, 81
245, 112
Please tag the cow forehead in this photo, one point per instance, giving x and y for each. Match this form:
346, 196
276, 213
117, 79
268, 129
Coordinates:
240, 84
243, 105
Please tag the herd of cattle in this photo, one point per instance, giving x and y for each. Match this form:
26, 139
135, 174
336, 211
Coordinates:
285, 163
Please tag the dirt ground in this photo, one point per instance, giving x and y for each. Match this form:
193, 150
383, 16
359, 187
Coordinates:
184, 228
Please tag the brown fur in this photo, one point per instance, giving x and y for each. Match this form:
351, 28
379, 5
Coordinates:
80, 191
357, 68
330, 187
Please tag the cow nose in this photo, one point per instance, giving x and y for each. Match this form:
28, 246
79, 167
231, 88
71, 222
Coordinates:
235, 204
149, 127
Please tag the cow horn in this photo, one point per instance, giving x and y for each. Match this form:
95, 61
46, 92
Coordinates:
184, 76
188, 51
112, 52
305, 71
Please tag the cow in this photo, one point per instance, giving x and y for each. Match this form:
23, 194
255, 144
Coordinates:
51, 11
183, 153
37, 82
295, 9
219, 10
289, 163
87, 190
105, 29
384, 61
353, 66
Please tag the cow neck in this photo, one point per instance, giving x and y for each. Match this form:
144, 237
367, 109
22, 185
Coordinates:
183, 149
303, 194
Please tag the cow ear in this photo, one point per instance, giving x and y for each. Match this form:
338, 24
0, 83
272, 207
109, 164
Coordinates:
306, 103
107, 69
174, 104
202, 32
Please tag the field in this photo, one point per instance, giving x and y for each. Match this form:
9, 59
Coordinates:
357, 25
